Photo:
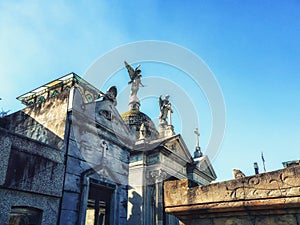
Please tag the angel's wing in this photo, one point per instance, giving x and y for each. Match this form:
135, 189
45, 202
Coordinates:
160, 101
130, 70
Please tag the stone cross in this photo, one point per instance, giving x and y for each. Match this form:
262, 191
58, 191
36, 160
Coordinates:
105, 148
170, 111
197, 137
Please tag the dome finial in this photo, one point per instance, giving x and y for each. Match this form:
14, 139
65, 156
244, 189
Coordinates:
197, 153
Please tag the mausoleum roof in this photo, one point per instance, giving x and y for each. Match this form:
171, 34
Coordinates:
135, 118
57, 86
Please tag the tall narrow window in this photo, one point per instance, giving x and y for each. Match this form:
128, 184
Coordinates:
25, 216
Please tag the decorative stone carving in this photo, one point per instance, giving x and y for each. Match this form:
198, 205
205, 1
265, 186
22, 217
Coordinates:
172, 146
106, 114
111, 95
270, 194
105, 148
238, 174
143, 130
158, 175
263, 186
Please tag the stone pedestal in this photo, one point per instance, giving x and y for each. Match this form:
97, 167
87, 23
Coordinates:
168, 131
134, 105
165, 129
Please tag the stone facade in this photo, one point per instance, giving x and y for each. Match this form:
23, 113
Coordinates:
97, 158
264, 199
70, 158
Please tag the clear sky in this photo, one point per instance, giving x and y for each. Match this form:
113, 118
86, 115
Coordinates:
251, 46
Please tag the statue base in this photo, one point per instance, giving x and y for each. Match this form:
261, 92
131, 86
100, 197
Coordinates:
165, 130
134, 105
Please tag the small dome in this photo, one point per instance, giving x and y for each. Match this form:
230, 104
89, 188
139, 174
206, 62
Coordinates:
135, 118
197, 153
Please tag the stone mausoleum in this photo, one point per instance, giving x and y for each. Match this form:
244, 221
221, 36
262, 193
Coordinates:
69, 157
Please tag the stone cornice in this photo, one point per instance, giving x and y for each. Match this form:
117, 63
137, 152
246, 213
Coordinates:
274, 191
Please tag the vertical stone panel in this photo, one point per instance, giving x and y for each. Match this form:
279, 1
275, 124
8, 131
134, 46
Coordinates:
72, 183
5, 145
68, 217
70, 201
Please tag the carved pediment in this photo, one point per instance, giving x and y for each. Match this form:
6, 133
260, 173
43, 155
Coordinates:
203, 164
177, 146
173, 146
106, 114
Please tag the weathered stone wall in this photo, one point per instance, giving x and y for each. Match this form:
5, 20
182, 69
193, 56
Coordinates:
9, 198
271, 219
43, 121
267, 198
30, 175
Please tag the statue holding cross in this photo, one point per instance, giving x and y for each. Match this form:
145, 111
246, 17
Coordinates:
165, 109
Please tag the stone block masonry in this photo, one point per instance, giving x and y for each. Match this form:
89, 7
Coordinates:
263, 199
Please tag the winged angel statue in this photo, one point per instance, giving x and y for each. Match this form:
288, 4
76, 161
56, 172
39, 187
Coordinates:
165, 107
135, 78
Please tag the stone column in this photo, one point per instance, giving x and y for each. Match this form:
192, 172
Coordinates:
159, 176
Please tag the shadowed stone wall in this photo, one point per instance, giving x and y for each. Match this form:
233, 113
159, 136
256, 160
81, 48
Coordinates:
44, 122
30, 175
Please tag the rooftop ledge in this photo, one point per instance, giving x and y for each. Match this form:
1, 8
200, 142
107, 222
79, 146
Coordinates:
274, 191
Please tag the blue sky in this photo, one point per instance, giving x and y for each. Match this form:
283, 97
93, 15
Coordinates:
251, 46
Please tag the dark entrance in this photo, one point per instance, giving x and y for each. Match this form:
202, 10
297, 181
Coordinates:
98, 207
